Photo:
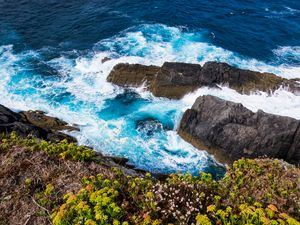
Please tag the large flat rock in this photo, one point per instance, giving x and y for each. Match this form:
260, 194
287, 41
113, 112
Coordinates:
134, 75
174, 80
230, 131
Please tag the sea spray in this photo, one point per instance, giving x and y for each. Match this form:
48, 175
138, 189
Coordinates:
129, 123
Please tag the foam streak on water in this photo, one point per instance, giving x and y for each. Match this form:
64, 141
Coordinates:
129, 123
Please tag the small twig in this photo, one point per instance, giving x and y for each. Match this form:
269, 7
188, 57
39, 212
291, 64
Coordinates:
43, 208
69, 167
27, 219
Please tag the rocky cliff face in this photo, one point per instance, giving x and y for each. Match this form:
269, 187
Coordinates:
230, 131
174, 80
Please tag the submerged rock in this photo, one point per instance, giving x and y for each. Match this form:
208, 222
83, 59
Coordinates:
230, 131
34, 123
174, 80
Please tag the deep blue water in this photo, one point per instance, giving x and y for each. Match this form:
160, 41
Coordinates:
252, 28
51, 59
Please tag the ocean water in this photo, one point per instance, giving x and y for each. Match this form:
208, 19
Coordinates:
51, 56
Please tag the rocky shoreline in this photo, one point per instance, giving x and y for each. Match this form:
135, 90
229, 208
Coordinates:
38, 125
174, 80
225, 129
47, 178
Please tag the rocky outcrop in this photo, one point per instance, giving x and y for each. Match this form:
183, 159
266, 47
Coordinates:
39, 119
230, 131
34, 123
243, 81
134, 75
174, 80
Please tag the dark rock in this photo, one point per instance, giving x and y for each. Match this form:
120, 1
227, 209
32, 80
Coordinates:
33, 123
8, 116
174, 80
23, 129
39, 119
243, 81
230, 131
105, 59
132, 74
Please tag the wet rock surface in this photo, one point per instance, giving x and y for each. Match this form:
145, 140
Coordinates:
230, 131
243, 81
39, 125
125, 74
174, 80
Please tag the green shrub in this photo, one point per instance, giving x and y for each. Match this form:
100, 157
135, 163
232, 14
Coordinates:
260, 191
62, 149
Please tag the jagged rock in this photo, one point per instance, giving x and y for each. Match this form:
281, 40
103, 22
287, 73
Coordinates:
125, 74
39, 119
230, 131
243, 81
174, 80
8, 116
23, 129
33, 123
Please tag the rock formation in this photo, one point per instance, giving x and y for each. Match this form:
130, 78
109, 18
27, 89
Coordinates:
174, 80
33, 123
230, 131
134, 75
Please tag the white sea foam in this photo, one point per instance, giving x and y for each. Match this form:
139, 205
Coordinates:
82, 93
280, 102
159, 43
289, 54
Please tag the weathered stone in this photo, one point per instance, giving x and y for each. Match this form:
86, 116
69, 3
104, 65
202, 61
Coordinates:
39, 119
174, 80
230, 131
23, 129
8, 116
132, 74
243, 81
33, 123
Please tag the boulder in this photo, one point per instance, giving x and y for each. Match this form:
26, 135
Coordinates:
230, 131
174, 80
33, 123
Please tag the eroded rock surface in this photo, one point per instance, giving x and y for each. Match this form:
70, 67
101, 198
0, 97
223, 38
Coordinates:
174, 80
230, 131
243, 81
135, 75
34, 123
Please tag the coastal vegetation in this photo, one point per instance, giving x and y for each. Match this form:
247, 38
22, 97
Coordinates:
63, 183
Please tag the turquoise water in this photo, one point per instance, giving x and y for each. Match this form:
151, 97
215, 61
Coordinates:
56, 66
